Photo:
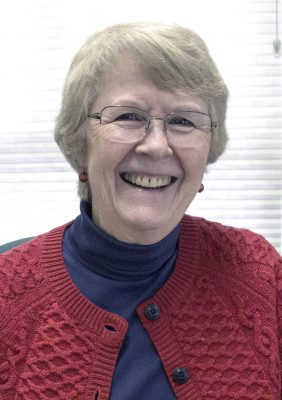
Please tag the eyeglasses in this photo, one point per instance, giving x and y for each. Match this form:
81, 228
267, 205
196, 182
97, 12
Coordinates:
131, 124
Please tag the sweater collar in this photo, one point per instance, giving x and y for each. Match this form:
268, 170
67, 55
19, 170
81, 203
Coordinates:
100, 252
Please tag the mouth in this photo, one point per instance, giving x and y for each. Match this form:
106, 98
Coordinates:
148, 182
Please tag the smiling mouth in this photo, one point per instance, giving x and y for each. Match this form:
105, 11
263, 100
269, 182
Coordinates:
148, 182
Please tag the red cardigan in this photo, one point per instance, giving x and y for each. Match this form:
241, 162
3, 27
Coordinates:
219, 317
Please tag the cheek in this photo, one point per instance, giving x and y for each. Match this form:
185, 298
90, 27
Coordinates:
194, 160
95, 160
103, 158
198, 140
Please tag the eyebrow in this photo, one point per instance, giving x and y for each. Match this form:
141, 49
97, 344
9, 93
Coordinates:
129, 102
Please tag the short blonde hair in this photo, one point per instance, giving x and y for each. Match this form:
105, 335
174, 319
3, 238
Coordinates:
174, 57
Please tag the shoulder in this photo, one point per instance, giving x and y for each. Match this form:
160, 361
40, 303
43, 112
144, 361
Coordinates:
20, 252
232, 245
21, 269
238, 263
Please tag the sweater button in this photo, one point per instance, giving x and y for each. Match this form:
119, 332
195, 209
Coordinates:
180, 375
152, 312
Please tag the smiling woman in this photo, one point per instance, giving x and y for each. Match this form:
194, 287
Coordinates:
133, 299
125, 160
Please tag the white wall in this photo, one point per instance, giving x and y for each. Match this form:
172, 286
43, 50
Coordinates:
38, 40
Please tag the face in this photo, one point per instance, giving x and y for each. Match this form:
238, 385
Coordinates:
132, 212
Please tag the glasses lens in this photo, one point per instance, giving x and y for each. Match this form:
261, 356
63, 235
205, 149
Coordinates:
127, 124
187, 127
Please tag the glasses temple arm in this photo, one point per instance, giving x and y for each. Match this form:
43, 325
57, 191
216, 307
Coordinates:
94, 115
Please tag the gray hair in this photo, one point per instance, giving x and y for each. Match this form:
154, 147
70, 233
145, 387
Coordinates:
174, 57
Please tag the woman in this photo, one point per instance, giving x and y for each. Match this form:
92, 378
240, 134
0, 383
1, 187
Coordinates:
134, 300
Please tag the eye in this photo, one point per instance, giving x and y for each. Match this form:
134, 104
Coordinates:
181, 121
129, 117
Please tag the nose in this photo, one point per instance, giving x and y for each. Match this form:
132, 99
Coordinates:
155, 143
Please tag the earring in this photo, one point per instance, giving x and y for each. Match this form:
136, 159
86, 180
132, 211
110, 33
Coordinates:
83, 177
202, 187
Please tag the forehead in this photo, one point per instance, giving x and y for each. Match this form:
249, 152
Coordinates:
128, 82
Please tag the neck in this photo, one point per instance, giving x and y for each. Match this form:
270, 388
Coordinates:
94, 248
130, 233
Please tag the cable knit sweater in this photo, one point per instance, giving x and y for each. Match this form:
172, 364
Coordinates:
217, 329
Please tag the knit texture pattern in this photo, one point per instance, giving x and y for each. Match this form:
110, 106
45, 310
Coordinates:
221, 319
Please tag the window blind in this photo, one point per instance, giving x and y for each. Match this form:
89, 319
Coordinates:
244, 188
38, 40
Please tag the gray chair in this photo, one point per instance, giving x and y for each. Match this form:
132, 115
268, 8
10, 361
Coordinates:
15, 243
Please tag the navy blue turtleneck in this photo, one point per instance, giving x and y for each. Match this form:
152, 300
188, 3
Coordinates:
118, 276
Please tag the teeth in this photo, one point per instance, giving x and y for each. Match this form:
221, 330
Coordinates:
153, 182
146, 181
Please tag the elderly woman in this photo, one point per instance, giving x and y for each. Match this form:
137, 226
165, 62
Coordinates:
134, 299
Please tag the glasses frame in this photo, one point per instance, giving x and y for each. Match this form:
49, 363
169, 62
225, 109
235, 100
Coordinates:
98, 115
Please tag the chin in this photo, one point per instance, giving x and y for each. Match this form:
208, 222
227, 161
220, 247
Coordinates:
146, 219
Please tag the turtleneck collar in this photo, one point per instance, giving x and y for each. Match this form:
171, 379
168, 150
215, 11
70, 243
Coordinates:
107, 256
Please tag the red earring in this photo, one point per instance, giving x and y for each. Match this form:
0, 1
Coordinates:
83, 177
202, 187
